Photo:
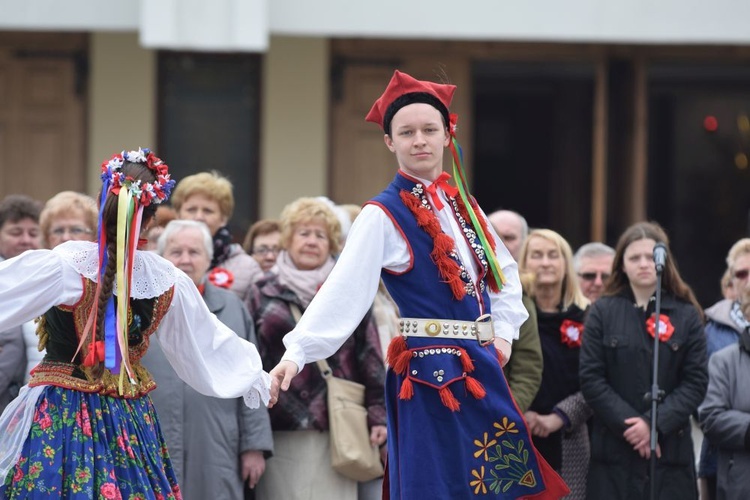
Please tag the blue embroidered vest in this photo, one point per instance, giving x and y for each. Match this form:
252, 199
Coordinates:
420, 292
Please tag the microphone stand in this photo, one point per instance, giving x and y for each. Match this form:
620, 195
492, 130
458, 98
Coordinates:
656, 394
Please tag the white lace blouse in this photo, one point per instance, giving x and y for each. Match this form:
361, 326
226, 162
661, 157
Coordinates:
203, 351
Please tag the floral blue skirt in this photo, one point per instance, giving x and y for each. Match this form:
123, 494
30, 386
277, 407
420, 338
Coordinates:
84, 445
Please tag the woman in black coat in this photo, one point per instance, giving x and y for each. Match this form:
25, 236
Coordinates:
616, 372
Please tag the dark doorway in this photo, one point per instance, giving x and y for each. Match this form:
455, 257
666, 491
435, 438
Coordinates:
533, 143
209, 119
699, 178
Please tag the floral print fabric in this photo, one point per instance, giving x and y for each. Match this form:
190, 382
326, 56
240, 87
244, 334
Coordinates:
84, 445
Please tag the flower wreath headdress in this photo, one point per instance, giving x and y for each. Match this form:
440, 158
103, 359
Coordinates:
133, 197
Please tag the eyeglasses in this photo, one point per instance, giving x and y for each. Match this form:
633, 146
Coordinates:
592, 276
266, 250
73, 231
742, 274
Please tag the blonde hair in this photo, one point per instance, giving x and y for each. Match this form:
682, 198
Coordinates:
212, 185
727, 287
306, 210
352, 210
740, 248
571, 291
744, 298
65, 204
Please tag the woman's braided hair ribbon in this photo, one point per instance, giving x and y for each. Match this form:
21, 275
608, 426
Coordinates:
133, 195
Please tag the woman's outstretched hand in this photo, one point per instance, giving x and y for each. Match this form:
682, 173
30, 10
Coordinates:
281, 377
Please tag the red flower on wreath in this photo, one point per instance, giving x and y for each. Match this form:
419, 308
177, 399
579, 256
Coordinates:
666, 328
571, 333
223, 278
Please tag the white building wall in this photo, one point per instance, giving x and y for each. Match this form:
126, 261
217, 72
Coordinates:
607, 21
295, 122
616, 21
122, 99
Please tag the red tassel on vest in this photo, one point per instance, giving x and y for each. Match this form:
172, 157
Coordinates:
466, 361
448, 399
475, 388
395, 348
407, 389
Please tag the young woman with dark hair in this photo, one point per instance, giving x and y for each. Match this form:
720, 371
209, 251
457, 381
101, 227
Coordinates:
616, 374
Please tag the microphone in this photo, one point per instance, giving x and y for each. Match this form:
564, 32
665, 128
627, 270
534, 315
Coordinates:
660, 256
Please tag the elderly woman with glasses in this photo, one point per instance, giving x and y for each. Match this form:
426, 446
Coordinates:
262, 243
215, 444
301, 466
557, 416
724, 326
68, 216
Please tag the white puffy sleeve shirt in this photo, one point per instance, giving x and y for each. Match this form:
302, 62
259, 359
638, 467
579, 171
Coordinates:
374, 243
204, 352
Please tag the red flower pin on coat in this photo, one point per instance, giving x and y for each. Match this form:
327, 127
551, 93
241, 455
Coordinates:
571, 333
666, 328
223, 278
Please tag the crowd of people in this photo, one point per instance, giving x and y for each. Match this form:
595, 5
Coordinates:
164, 395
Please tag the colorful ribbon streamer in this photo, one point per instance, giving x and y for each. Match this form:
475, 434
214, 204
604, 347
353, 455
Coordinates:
463, 189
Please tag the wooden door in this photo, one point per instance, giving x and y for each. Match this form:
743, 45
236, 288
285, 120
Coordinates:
361, 164
42, 87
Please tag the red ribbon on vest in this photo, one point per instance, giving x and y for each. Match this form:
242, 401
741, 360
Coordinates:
442, 182
95, 354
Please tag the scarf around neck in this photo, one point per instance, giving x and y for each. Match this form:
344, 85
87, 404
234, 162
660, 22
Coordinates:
304, 284
737, 317
222, 246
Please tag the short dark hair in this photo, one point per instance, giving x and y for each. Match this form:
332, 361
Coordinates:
16, 207
413, 98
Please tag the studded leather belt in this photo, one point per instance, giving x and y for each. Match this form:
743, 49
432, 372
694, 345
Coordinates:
481, 329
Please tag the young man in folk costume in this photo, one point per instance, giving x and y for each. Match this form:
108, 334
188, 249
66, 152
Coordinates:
454, 429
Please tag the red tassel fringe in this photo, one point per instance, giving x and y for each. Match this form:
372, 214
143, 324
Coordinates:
448, 269
448, 399
466, 362
475, 388
407, 389
401, 364
395, 348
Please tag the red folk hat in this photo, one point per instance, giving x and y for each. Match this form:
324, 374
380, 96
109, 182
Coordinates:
401, 84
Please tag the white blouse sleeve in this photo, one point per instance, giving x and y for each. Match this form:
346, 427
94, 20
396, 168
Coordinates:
348, 292
206, 354
32, 283
508, 311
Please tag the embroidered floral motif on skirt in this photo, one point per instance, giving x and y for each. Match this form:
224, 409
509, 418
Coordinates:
454, 429
84, 445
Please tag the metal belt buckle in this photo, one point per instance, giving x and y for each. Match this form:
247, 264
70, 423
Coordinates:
432, 328
483, 319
